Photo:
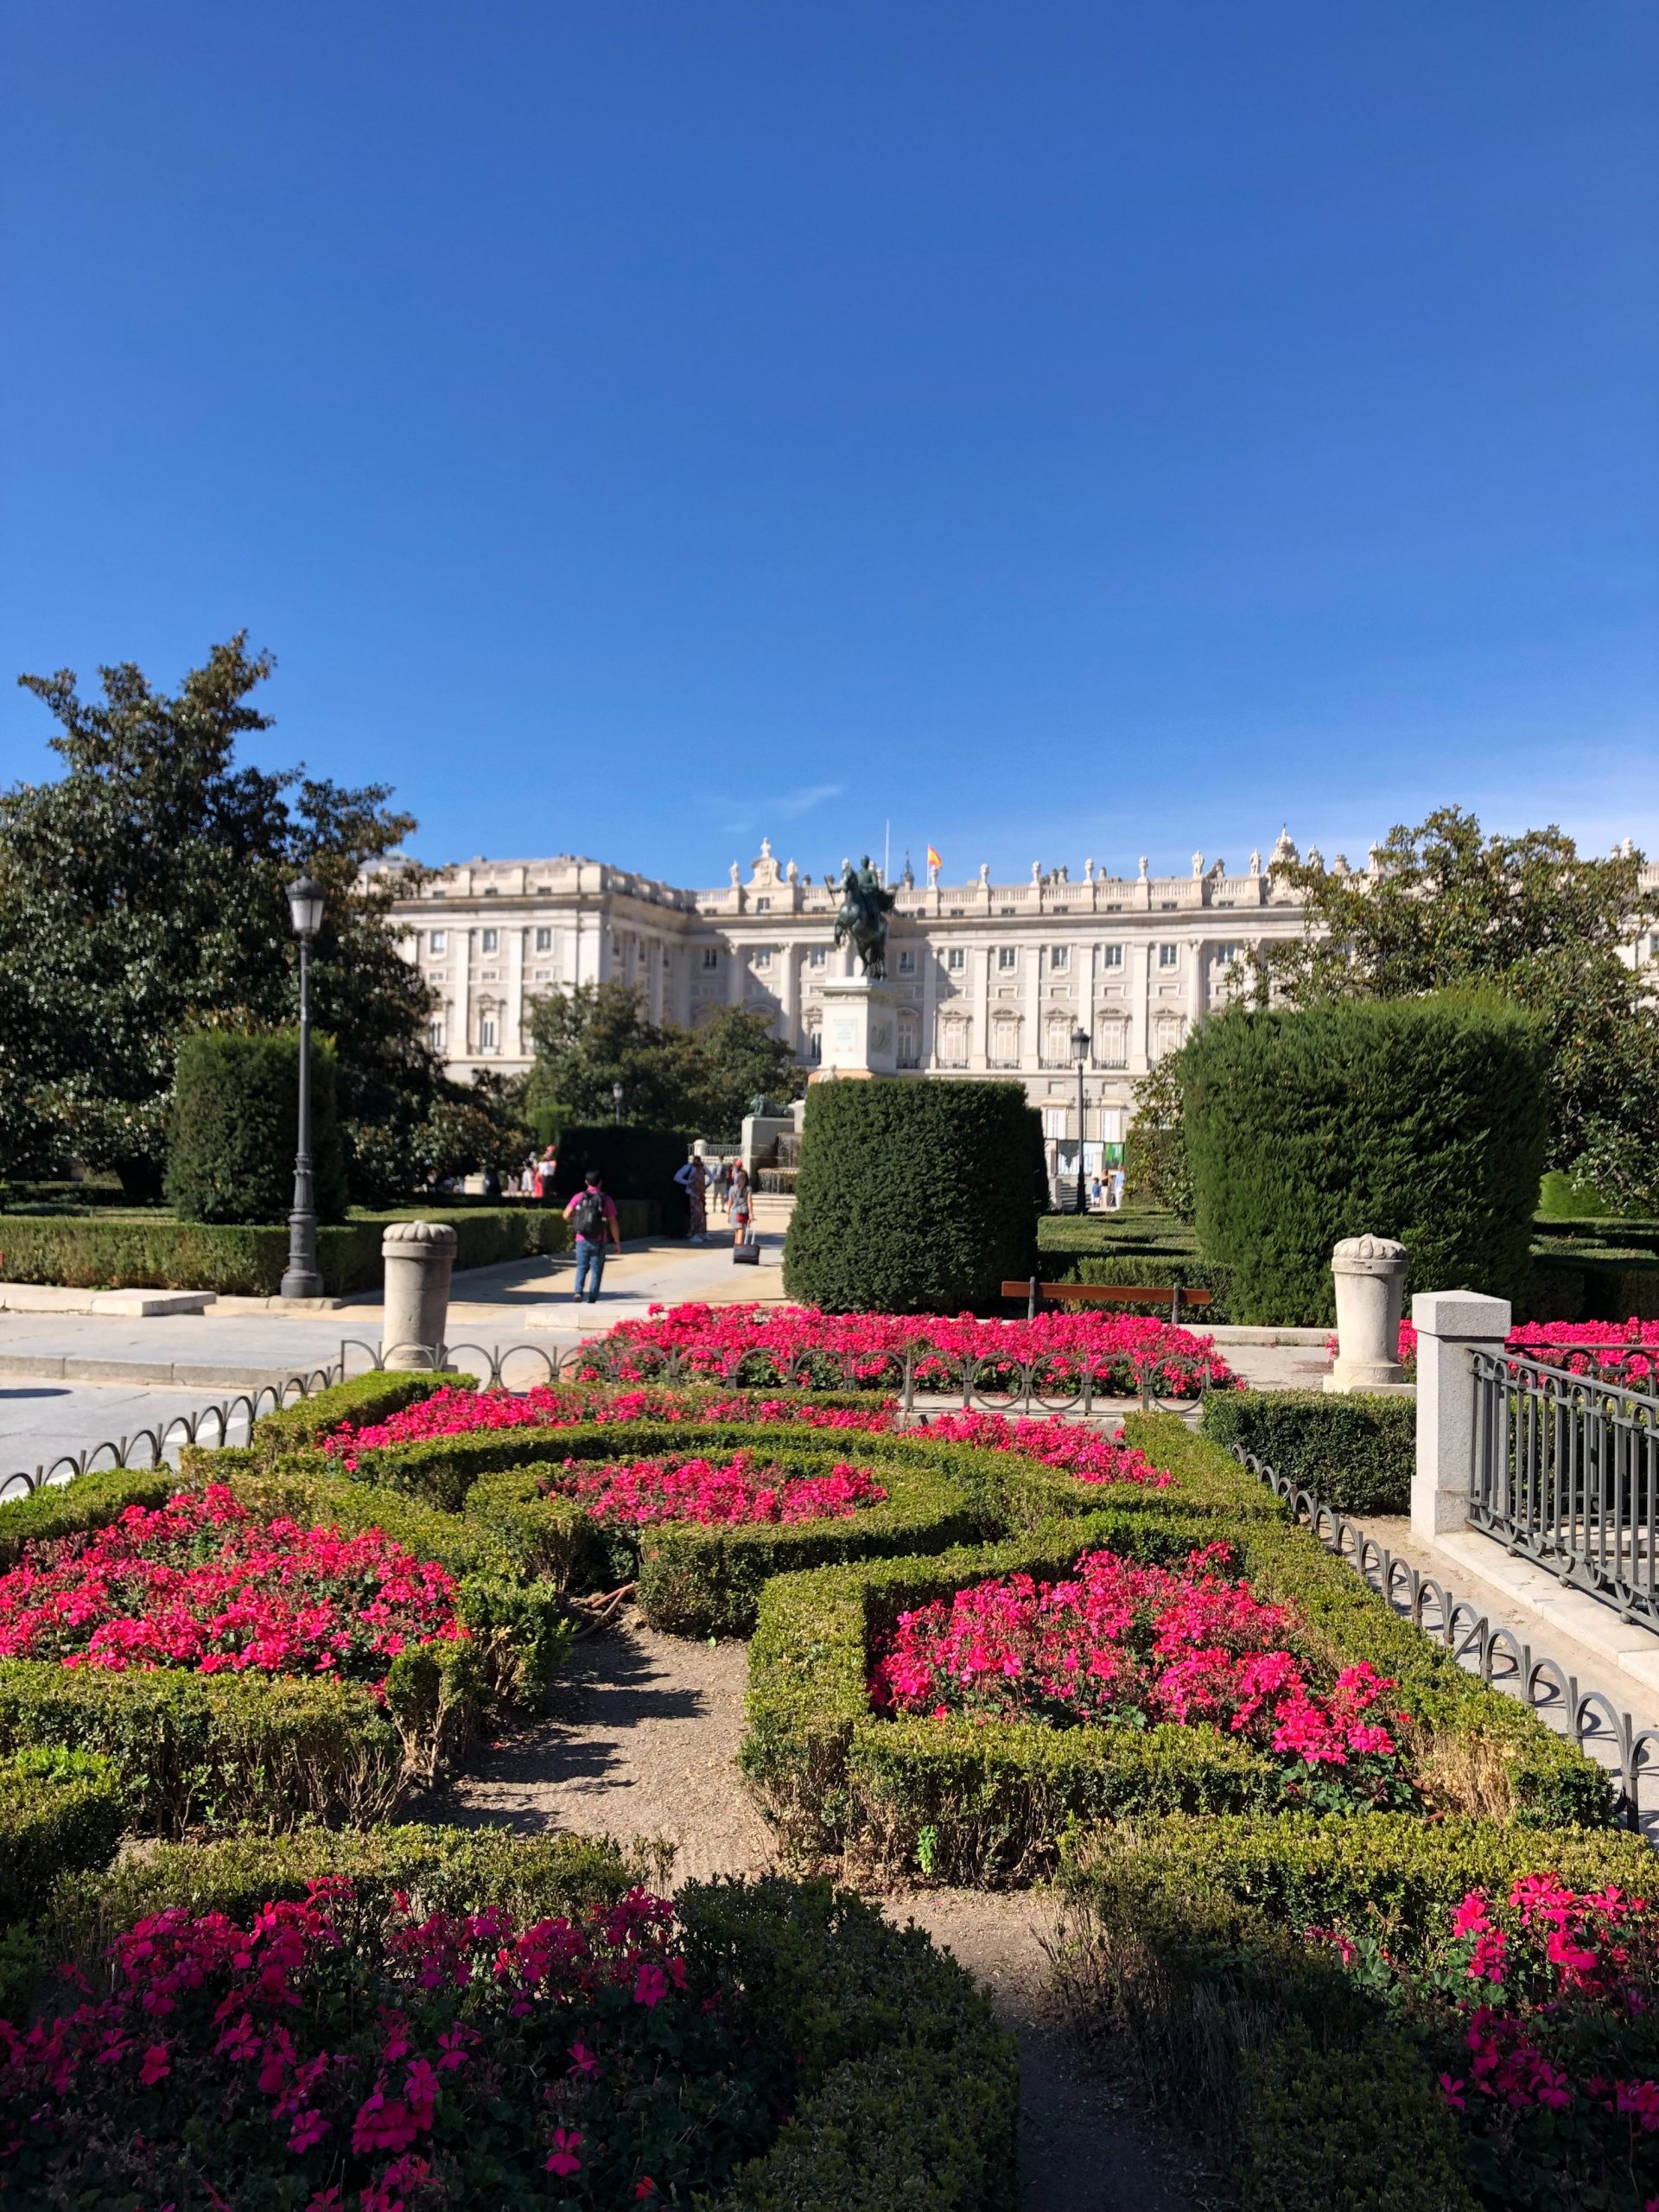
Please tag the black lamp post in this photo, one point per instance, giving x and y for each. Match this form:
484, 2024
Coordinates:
616, 1101
1079, 1053
300, 1278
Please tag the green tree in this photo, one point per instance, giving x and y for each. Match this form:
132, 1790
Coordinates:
589, 1039
143, 895
1451, 908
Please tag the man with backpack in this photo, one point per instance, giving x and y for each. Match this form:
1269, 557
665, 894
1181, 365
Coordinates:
591, 1213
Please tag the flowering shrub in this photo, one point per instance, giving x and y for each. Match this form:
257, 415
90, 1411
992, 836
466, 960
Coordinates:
201, 1583
1541, 2010
1086, 1453
1625, 1350
450, 2060
760, 1345
1128, 1645
462, 1412
713, 1493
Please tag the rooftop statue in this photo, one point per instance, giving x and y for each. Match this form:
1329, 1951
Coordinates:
862, 921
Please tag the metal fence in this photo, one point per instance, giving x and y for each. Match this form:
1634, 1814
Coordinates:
1566, 1472
1600, 1729
917, 1379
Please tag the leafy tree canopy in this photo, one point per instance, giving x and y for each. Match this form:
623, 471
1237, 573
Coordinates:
700, 1079
1529, 915
143, 895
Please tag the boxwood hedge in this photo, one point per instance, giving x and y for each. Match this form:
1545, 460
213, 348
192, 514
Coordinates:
992, 1798
907, 2091
1185, 1946
1355, 1452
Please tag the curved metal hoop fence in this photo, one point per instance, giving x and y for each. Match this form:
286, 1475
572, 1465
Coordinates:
1508, 1663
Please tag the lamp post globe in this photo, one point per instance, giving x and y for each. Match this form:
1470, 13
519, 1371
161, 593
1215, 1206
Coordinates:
302, 1277
616, 1101
1080, 1054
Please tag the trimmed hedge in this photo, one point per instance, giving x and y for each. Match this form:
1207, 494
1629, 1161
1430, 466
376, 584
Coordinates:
914, 1197
905, 2090
1186, 1945
997, 1797
1355, 1452
1597, 1285
363, 1399
638, 1165
60, 1812
233, 1127
154, 1251
1422, 1119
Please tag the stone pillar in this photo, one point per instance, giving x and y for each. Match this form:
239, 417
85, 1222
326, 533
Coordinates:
1450, 1325
1370, 1278
419, 1257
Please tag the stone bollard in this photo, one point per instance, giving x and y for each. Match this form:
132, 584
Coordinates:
1450, 1325
1370, 1277
420, 1257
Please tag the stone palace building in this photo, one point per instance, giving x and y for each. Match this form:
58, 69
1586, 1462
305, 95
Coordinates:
991, 979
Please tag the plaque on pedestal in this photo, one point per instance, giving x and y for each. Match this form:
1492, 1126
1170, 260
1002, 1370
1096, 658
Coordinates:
860, 1027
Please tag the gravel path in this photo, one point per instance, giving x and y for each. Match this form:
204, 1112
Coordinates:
641, 1741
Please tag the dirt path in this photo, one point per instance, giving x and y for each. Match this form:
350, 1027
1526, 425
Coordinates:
641, 1741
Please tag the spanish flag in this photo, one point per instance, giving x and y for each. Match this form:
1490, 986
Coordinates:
933, 860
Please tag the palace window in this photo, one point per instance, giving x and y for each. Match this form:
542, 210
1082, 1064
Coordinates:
907, 963
950, 1041
487, 1033
1111, 956
763, 906
1226, 955
816, 957
488, 940
763, 956
1059, 955
434, 1033
1007, 957
437, 941
955, 960
1111, 1044
910, 1047
1057, 1040
1166, 1033
814, 1044
544, 940
710, 956
1005, 1040
1169, 956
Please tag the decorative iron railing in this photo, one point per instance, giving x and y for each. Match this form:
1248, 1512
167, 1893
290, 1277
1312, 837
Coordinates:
1566, 1472
1496, 1654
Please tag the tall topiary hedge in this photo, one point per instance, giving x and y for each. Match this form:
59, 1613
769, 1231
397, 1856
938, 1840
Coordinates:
233, 1129
636, 1162
914, 1197
1422, 1119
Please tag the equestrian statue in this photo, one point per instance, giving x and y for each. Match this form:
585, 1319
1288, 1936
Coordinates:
862, 921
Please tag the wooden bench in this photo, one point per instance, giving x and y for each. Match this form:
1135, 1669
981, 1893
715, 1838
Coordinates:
1036, 1295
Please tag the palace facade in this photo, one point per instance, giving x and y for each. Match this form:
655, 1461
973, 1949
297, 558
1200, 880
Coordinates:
992, 979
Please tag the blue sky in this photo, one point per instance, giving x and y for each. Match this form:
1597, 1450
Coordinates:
1063, 430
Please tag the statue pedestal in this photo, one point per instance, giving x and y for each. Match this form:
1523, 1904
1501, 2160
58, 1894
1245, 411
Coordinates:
860, 1030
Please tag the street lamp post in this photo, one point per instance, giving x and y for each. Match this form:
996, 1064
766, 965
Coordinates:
1079, 1053
300, 1278
616, 1101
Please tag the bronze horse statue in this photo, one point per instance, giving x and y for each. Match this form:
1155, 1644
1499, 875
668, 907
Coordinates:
863, 920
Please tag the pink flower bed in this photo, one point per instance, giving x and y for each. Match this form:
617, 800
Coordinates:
1120, 1642
1070, 1445
1079, 1450
459, 1413
446, 2060
1544, 2007
1623, 1350
714, 1493
200, 1583
759, 1345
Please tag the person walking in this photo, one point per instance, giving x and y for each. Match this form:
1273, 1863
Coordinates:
1097, 1195
740, 1207
593, 1216
694, 1182
547, 1171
